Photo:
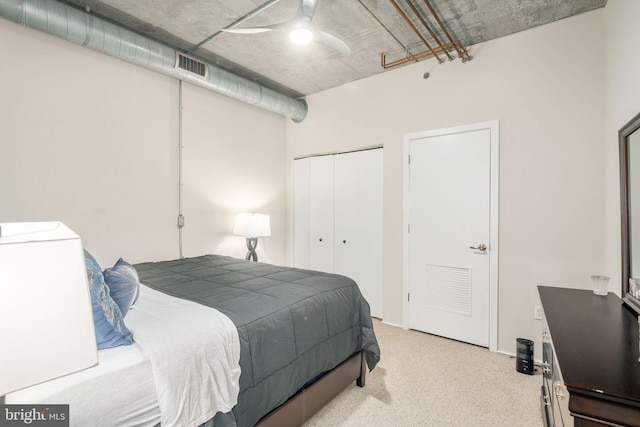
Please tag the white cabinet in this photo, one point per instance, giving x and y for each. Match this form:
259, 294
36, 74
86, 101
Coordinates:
338, 218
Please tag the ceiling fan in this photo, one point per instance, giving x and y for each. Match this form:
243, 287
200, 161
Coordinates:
300, 29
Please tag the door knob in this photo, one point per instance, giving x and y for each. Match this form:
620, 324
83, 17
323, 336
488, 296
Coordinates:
481, 247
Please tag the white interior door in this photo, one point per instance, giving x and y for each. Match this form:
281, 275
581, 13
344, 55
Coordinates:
450, 213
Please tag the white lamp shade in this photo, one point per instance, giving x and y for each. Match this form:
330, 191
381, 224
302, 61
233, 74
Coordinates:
252, 225
46, 320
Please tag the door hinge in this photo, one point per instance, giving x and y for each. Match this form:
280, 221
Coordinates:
180, 221
408, 297
409, 228
409, 159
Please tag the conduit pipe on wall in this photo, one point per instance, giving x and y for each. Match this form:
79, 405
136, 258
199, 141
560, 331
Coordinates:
79, 27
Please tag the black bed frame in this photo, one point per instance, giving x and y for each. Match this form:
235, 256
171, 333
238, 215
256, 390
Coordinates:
301, 406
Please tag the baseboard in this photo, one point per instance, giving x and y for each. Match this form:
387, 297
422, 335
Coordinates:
506, 353
384, 322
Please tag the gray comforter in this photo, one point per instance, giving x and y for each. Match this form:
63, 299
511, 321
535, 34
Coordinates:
293, 324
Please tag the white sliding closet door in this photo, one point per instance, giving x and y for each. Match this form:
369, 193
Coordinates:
321, 213
338, 218
346, 203
358, 222
301, 212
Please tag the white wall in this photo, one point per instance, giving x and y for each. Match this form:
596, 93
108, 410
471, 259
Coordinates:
622, 84
546, 87
93, 141
234, 161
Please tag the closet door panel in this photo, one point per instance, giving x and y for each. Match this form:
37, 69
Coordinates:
301, 213
369, 228
347, 229
321, 213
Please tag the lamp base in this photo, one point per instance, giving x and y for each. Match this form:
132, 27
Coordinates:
252, 244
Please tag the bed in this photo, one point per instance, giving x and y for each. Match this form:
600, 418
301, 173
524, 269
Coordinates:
302, 337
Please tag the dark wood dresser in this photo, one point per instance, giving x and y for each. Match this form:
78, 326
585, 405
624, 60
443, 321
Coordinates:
591, 347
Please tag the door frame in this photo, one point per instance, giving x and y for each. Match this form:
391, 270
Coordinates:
494, 128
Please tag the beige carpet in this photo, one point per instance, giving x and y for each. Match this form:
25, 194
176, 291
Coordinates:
424, 380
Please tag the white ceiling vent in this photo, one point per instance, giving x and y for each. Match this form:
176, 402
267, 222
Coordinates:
191, 66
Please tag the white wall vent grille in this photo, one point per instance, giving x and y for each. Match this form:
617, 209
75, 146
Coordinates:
193, 66
447, 288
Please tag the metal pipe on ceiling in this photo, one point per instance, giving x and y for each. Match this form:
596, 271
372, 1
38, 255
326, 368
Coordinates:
444, 29
431, 51
424, 23
79, 27
415, 30
373, 15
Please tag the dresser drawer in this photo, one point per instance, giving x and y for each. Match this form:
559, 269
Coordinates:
555, 396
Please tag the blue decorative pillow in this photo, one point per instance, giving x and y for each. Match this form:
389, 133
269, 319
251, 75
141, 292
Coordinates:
107, 318
123, 283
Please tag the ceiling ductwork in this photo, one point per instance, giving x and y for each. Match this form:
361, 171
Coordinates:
84, 29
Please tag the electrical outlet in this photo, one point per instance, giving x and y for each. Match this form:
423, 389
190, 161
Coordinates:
537, 312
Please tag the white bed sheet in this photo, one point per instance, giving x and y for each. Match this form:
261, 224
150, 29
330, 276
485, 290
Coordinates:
119, 391
182, 368
195, 355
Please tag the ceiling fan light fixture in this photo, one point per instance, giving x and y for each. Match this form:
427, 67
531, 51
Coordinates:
301, 35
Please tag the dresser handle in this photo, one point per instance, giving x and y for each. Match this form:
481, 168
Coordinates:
559, 392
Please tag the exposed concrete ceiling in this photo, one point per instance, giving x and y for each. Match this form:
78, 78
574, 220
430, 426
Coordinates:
369, 27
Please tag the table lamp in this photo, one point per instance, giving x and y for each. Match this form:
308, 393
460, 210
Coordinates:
252, 226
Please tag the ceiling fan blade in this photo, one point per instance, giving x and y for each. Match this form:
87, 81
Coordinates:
246, 30
331, 41
302, 20
256, 30
307, 8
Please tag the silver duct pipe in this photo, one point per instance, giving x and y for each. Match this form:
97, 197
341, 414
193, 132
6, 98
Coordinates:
84, 29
